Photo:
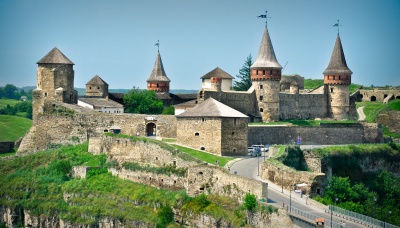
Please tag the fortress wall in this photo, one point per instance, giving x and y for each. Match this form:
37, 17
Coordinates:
216, 180
127, 150
171, 182
391, 119
379, 94
325, 134
302, 106
290, 177
244, 102
62, 129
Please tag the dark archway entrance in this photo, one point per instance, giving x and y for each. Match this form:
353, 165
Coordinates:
373, 98
151, 129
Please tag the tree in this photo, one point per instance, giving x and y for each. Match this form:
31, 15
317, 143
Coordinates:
244, 75
249, 202
170, 110
10, 91
143, 102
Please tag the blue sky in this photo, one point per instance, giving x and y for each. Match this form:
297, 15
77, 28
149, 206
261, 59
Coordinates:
115, 39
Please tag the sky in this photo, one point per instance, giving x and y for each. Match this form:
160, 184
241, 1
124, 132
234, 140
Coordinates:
116, 39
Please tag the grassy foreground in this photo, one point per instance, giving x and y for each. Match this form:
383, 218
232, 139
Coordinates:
13, 127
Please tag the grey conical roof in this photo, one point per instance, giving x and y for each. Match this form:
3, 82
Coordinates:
158, 74
212, 108
55, 56
337, 64
266, 55
96, 80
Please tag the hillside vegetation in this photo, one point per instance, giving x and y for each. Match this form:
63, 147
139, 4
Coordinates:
13, 127
315, 83
39, 181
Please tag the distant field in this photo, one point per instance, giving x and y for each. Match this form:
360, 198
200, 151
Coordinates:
13, 127
5, 102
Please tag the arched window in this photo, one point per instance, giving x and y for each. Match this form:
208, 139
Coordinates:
196, 134
202, 148
373, 98
261, 110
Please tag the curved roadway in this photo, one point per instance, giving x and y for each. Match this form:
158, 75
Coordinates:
247, 167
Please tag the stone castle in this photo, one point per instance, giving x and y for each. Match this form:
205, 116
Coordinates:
218, 124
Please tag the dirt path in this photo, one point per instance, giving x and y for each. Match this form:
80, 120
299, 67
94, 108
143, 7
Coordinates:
361, 115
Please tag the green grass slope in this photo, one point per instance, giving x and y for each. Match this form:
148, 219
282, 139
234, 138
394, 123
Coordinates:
13, 127
38, 182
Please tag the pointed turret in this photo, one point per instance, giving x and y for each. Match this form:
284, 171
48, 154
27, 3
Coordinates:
158, 80
266, 54
337, 80
337, 71
265, 76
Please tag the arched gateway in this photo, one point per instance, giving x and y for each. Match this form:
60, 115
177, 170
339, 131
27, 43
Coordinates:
151, 129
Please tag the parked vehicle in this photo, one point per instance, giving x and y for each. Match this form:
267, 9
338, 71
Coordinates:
253, 151
250, 150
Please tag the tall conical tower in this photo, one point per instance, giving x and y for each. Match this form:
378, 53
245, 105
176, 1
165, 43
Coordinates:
55, 81
337, 80
158, 80
265, 77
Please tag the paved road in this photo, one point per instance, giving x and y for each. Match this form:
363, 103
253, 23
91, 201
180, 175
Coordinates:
248, 167
361, 115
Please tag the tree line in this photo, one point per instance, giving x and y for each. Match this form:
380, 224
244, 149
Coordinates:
10, 91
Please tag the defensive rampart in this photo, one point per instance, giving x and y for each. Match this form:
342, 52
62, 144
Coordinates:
378, 94
216, 180
73, 127
139, 151
325, 134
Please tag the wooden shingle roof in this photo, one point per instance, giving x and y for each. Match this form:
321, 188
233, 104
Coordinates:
55, 56
218, 73
337, 64
96, 80
266, 54
158, 74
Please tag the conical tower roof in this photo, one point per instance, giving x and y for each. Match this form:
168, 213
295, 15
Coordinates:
96, 80
158, 74
218, 73
266, 54
55, 56
337, 64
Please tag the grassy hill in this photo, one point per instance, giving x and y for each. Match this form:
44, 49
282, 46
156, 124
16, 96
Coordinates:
39, 181
315, 83
13, 127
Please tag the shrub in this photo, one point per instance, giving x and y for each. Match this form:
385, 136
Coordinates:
249, 202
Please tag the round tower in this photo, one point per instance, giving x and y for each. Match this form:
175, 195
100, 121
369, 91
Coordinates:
55, 81
216, 83
158, 80
265, 76
337, 80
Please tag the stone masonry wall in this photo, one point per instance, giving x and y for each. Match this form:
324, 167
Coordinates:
315, 181
302, 106
391, 119
127, 150
171, 182
80, 171
379, 94
79, 127
325, 134
216, 180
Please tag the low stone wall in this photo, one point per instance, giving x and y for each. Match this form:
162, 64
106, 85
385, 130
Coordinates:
172, 182
315, 181
325, 134
216, 180
127, 150
80, 171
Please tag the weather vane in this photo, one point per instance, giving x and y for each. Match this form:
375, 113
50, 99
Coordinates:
158, 45
265, 16
337, 25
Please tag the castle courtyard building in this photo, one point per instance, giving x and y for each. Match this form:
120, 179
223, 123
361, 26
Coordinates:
213, 127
